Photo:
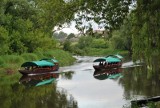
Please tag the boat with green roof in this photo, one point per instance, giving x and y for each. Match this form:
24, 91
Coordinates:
39, 67
108, 62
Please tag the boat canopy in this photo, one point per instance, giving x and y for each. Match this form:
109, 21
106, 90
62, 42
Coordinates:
119, 56
108, 59
115, 56
37, 63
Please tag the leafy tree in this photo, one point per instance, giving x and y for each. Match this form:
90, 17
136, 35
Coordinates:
4, 41
99, 43
67, 46
108, 13
71, 35
117, 41
146, 40
84, 42
122, 38
25, 27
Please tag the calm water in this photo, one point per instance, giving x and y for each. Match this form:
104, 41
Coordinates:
79, 86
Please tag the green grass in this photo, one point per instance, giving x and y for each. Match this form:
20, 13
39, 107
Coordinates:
29, 56
11, 63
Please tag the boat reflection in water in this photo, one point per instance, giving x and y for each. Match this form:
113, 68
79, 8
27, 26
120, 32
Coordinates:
38, 80
108, 74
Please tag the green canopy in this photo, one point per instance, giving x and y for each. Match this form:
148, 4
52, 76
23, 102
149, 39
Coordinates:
37, 63
108, 59
115, 56
119, 56
44, 82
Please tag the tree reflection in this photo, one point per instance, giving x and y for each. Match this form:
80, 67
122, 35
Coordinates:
15, 95
140, 81
67, 75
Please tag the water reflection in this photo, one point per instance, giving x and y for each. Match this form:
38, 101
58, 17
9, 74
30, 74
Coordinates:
67, 75
139, 82
38, 80
108, 74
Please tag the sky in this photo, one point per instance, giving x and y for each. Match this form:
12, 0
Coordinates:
72, 29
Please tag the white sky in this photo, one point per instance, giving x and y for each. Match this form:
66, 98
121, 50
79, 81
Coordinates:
72, 29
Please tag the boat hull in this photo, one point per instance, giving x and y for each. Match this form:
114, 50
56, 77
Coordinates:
38, 71
104, 67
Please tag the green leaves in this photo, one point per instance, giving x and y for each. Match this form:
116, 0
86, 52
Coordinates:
110, 13
4, 41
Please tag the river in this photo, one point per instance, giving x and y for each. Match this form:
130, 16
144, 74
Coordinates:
89, 91
80, 86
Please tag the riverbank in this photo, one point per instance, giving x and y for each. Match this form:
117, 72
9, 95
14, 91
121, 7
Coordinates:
11, 63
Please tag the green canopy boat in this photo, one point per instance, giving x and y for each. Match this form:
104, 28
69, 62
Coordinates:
37, 63
111, 61
39, 67
108, 59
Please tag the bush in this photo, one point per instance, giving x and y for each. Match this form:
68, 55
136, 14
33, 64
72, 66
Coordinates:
29, 56
63, 57
1, 61
99, 43
12, 59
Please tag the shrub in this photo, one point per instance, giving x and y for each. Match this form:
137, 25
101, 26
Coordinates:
29, 56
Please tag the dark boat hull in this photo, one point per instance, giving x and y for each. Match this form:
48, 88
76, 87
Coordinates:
104, 67
38, 71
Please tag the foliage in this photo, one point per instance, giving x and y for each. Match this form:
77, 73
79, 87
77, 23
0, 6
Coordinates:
84, 41
107, 13
60, 35
100, 43
117, 41
26, 25
13, 62
146, 40
29, 56
4, 41
90, 46
67, 45
70, 36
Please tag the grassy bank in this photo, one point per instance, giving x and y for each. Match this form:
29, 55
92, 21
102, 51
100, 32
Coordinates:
10, 64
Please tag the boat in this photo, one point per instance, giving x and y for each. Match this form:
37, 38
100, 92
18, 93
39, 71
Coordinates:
108, 62
38, 80
39, 67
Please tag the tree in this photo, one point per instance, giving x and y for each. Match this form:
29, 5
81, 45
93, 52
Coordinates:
4, 41
71, 35
146, 33
107, 13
